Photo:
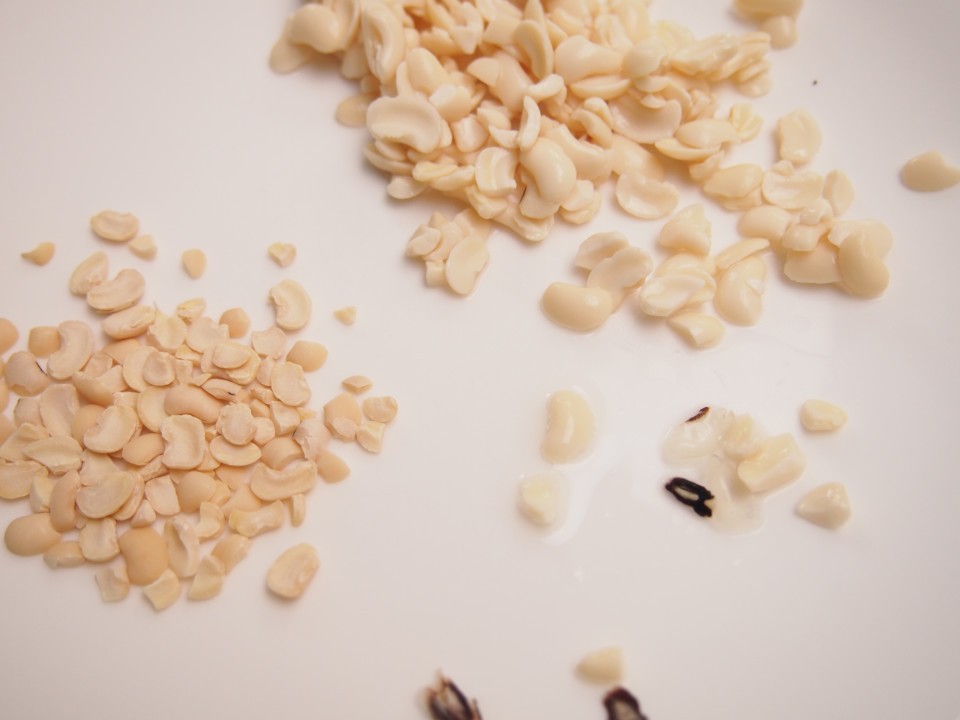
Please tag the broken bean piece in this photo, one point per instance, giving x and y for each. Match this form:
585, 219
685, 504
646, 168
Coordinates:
114, 226
292, 572
41, 254
827, 506
283, 254
194, 262
603, 666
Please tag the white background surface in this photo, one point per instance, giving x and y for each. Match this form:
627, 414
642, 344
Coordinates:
168, 110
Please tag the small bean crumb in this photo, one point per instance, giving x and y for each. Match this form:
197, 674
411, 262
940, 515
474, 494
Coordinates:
357, 383
41, 254
194, 262
283, 254
144, 247
346, 315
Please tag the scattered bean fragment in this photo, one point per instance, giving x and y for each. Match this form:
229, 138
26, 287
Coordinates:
144, 247
346, 315
822, 416
283, 254
827, 506
603, 666
292, 572
194, 262
41, 254
114, 226
929, 172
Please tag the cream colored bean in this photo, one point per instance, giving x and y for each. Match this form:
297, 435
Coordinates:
269, 484
130, 323
190, 400
193, 489
65, 554
72, 350
370, 436
292, 572
203, 333
765, 221
826, 505
281, 451
597, 247
551, 170
739, 298
159, 369
822, 416
570, 427
782, 30
253, 523
194, 262
792, 192
289, 384
817, 267
208, 580
734, 182
878, 238
496, 172
265, 427
604, 666
779, 462
183, 547
89, 273
114, 226
58, 454
688, 230
145, 515
667, 294
43, 341
164, 591
98, 540
331, 467
63, 497
342, 409
741, 250
235, 423
929, 172
167, 332
235, 455
698, 329
115, 427
283, 254
410, 121
380, 409
576, 308
230, 550
105, 494
30, 535
862, 270
145, 554
838, 191
144, 247
312, 436
742, 438
123, 291
621, 273
465, 263
747, 122
292, 304
357, 383
211, 521
24, 376
25, 433
185, 443
644, 197
308, 355
17, 477
346, 315
542, 497
113, 583
798, 137
190, 310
